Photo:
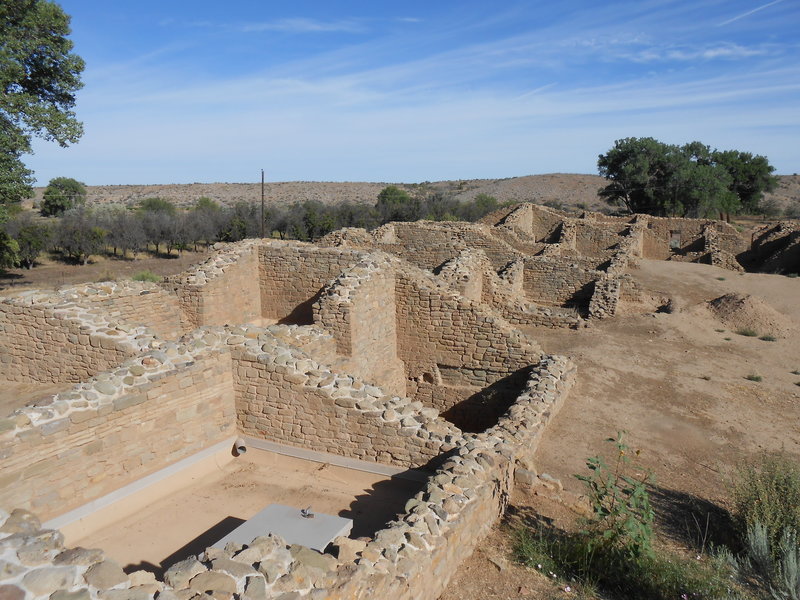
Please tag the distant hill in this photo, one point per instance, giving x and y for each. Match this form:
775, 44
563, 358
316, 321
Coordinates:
568, 189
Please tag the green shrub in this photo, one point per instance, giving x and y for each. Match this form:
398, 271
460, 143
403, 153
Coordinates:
768, 338
767, 492
747, 332
754, 377
146, 276
622, 517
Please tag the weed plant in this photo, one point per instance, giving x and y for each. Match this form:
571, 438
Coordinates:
768, 338
613, 551
754, 377
146, 276
747, 332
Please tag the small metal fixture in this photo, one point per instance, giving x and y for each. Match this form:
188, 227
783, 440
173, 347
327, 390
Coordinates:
306, 513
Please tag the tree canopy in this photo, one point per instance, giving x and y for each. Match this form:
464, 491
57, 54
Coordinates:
649, 176
39, 76
62, 194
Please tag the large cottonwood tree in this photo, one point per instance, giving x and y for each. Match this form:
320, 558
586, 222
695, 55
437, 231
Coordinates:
39, 76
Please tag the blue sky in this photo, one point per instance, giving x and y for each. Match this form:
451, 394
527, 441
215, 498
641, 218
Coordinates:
195, 91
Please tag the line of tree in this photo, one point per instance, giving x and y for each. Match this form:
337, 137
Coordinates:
77, 231
649, 176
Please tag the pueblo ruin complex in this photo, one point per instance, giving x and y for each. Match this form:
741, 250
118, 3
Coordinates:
397, 352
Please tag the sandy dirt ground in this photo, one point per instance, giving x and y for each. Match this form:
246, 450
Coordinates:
676, 383
184, 524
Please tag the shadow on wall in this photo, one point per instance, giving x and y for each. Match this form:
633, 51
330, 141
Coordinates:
191, 548
385, 500
483, 409
303, 313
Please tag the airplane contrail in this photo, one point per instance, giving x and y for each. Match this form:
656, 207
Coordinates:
749, 12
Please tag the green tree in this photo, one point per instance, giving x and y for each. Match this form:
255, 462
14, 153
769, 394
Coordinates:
39, 76
648, 176
751, 176
636, 168
62, 194
9, 249
395, 204
157, 205
31, 237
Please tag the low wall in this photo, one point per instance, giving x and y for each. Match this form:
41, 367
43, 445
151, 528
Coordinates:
559, 281
428, 245
133, 303
48, 338
223, 289
115, 429
283, 395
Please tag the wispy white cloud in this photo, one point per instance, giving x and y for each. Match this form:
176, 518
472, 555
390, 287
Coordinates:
726, 51
304, 25
748, 13
389, 107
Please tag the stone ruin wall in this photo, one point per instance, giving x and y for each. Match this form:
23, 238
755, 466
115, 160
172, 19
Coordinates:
358, 309
115, 428
284, 395
49, 338
413, 557
453, 347
223, 289
292, 276
559, 281
471, 274
429, 244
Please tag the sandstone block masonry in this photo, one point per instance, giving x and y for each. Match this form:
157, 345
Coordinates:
48, 337
223, 289
413, 557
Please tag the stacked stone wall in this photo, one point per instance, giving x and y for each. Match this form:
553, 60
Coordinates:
223, 289
452, 347
558, 281
292, 276
116, 428
134, 303
49, 338
285, 396
596, 238
358, 309
471, 274
413, 558
428, 245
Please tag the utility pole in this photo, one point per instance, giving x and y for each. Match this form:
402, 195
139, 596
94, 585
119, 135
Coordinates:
262, 203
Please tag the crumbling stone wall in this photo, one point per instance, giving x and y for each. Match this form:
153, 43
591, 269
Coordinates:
358, 309
47, 337
471, 274
413, 558
452, 347
223, 289
292, 275
428, 244
133, 303
558, 281
116, 428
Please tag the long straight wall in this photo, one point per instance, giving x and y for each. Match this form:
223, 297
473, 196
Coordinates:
73, 459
